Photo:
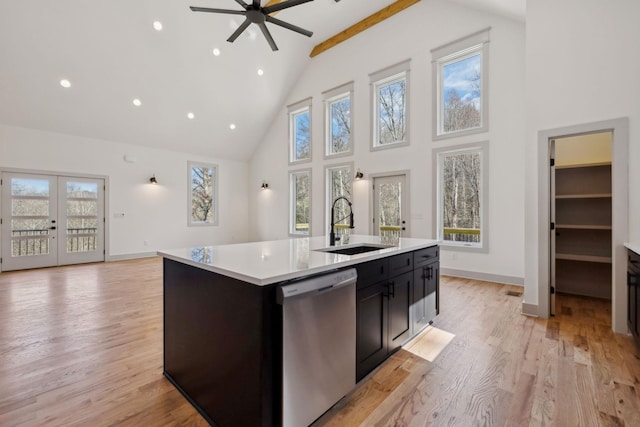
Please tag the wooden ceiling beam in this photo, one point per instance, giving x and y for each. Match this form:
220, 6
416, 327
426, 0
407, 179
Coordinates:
365, 24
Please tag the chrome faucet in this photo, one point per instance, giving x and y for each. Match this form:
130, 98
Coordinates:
332, 234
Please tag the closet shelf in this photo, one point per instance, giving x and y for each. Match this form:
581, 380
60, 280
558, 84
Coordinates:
586, 258
584, 227
584, 196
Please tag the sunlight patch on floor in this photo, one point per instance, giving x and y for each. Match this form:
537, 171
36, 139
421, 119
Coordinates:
430, 343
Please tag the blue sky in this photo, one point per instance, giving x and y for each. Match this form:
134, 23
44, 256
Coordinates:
458, 76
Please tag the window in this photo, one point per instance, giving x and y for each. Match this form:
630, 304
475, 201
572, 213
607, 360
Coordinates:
300, 132
390, 99
203, 194
461, 86
339, 184
462, 195
300, 202
338, 128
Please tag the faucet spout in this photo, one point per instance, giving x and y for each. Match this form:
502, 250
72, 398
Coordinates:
332, 234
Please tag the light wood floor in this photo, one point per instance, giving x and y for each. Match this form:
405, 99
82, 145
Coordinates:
82, 346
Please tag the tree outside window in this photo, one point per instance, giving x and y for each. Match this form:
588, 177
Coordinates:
202, 194
300, 202
390, 97
339, 184
338, 113
391, 107
462, 198
300, 132
461, 86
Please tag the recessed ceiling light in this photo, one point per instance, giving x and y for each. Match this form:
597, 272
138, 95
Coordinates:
137, 102
191, 116
216, 52
65, 83
157, 25
260, 71
232, 126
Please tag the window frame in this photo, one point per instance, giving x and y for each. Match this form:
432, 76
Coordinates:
292, 202
328, 188
214, 198
331, 96
452, 52
391, 74
292, 111
482, 148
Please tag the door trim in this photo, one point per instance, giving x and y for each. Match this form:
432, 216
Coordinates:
620, 226
107, 251
372, 207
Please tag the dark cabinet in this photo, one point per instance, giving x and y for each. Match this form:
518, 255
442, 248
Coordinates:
385, 304
633, 295
371, 334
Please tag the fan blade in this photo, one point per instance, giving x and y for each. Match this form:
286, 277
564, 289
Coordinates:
243, 4
256, 4
267, 35
288, 26
239, 31
206, 9
284, 5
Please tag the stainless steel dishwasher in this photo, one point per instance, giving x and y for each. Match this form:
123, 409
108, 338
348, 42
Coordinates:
318, 345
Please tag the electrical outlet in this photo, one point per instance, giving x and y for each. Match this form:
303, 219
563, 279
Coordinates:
146, 243
118, 215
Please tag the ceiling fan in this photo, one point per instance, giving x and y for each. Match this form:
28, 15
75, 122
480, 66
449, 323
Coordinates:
256, 14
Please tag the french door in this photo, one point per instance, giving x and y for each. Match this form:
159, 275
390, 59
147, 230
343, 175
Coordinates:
50, 220
390, 206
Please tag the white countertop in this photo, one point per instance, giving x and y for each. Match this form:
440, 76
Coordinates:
635, 247
263, 263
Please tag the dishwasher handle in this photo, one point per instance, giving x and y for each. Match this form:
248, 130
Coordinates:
317, 285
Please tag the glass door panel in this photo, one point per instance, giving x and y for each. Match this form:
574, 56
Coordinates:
29, 212
390, 206
81, 220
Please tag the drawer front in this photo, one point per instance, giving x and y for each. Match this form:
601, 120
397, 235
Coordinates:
399, 264
372, 272
425, 256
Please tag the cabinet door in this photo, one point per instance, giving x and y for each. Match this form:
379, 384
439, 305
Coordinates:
419, 300
399, 308
372, 337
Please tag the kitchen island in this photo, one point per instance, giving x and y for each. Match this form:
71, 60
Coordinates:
223, 325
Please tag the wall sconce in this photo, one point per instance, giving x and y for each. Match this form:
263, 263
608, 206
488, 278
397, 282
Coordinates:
359, 175
265, 185
153, 179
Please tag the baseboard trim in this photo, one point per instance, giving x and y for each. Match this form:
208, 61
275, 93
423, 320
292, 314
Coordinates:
530, 309
487, 277
124, 257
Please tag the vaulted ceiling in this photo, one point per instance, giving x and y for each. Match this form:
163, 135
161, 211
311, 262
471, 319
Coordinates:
111, 54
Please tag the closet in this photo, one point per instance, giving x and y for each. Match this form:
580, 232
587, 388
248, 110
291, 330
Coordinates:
583, 213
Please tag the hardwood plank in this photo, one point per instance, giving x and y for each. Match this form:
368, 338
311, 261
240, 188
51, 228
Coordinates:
82, 346
365, 24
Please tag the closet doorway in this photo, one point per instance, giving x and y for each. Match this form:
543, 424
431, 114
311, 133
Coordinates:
581, 215
50, 220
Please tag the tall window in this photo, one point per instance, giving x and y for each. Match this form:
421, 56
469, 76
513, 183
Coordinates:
203, 194
461, 86
300, 202
300, 132
338, 128
390, 99
339, 184
462, 195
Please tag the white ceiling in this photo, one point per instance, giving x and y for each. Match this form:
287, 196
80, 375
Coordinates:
110, 52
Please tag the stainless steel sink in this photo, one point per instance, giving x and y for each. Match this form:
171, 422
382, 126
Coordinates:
354, 249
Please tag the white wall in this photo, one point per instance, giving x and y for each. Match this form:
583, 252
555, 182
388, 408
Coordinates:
410, 34
155, 213
583, 64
